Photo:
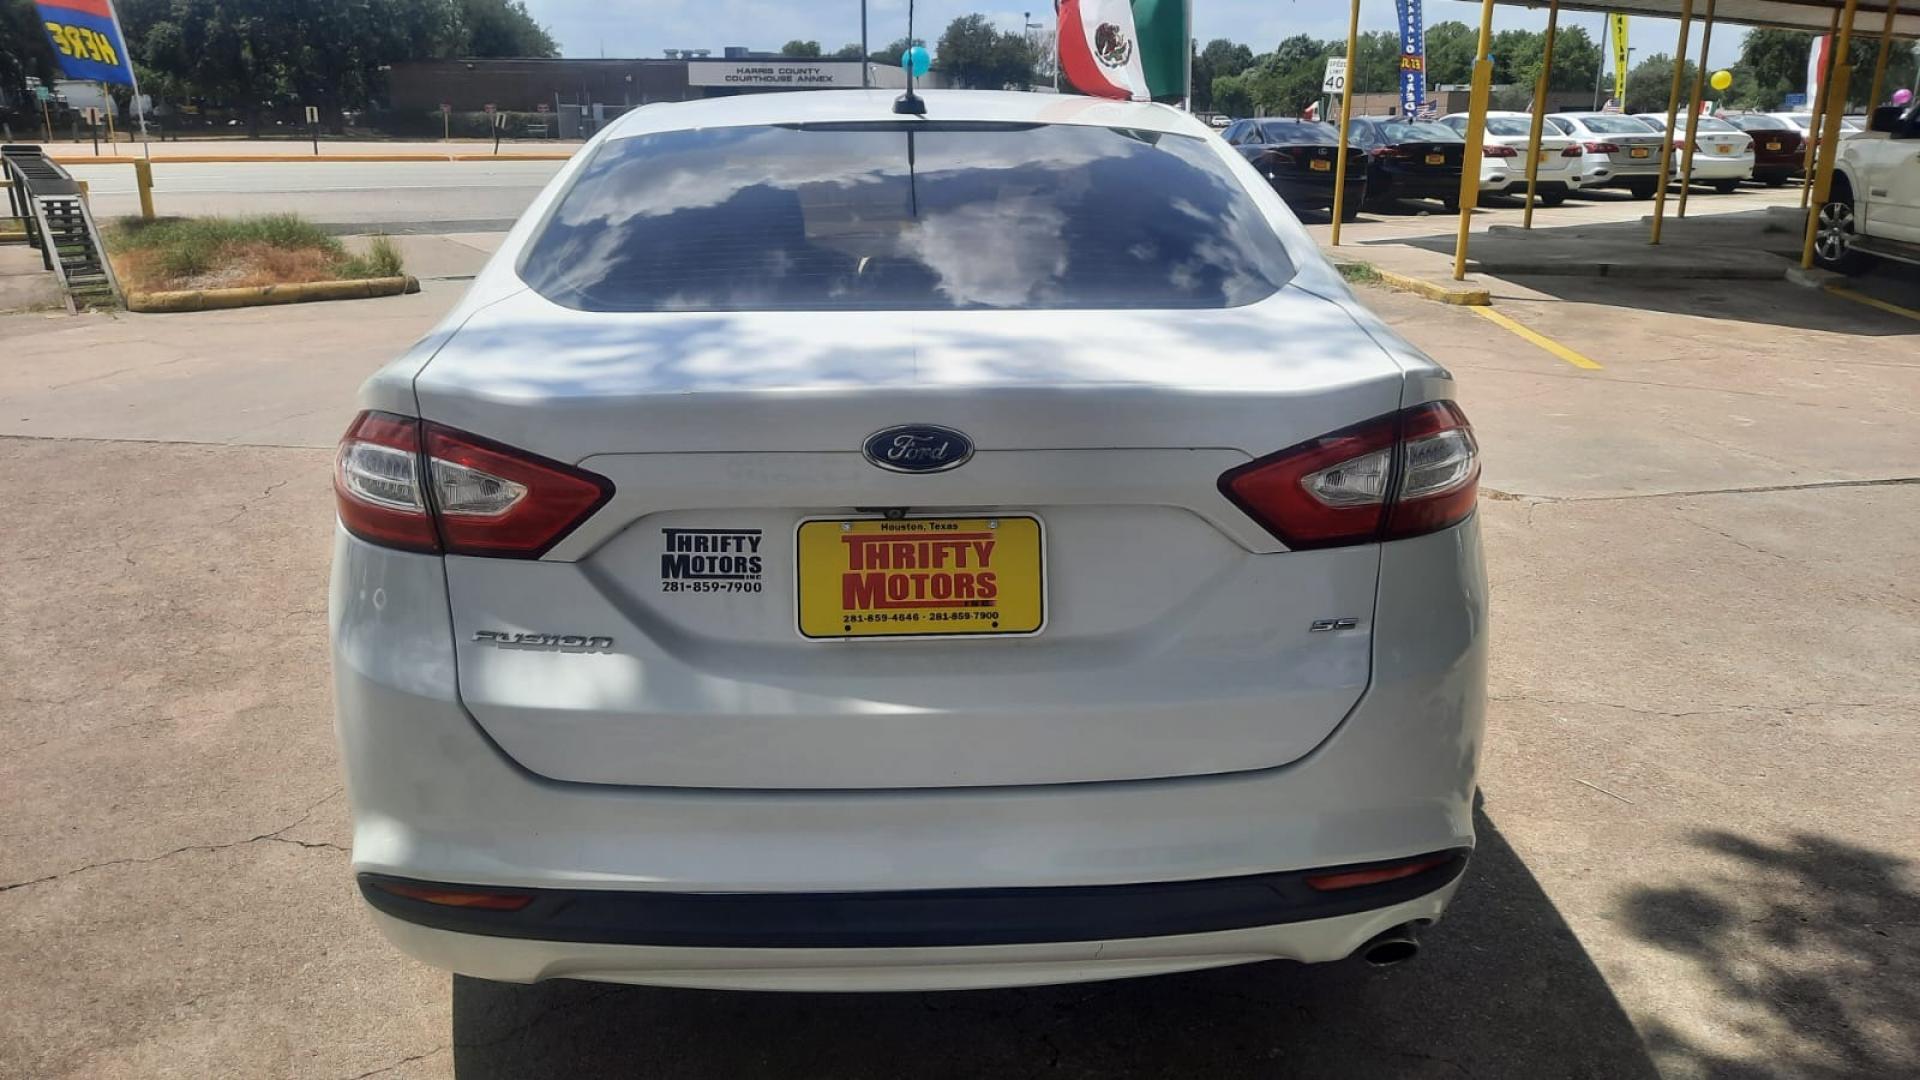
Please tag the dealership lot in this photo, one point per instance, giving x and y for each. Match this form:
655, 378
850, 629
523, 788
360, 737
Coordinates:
1699, 790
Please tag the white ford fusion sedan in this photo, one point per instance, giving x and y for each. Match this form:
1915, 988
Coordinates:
831, 548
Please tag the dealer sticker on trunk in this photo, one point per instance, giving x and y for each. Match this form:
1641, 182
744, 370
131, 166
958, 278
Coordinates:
920, 577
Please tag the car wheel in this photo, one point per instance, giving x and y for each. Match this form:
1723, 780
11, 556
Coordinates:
1774, 181
1552, 198
1726, 187
1833, 234
1451, 203
1349, 210
1642, 190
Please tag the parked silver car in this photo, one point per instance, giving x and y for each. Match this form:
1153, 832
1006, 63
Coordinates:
834, 549
1617, 151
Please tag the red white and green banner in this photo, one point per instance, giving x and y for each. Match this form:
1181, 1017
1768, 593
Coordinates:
1130, 49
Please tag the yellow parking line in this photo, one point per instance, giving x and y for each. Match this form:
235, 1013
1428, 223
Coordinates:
1874, 302
1541, 340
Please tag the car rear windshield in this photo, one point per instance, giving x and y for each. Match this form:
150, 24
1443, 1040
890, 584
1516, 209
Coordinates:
1299, 134
1508, 125
904, 216
1615, 125
1401, 131
1761, 123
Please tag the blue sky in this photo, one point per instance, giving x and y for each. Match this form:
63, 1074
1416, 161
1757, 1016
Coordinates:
586, 27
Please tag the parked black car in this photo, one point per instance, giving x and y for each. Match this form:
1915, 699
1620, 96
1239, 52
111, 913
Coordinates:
1778, 150
1299, 158
1409, 159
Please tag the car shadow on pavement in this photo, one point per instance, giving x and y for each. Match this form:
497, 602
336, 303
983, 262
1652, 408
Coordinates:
1813, 946
1503, 988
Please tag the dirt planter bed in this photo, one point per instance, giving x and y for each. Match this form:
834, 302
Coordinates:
260, 295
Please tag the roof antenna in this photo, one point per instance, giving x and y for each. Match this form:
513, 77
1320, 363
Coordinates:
916, 62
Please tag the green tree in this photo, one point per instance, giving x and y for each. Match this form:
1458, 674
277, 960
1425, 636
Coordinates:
849, 51
1288, 79
1576, 60
1773, 64
975, 55
24, 52
890, 55
802, 48
1231, 95
1221, 57
1650, 83
1450, 48
481, 27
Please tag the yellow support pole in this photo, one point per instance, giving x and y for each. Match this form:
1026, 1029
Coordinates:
1880, 65
1539, 114
143, 179
1673, 109
108, 94
1841, 75
1693, 111
1476, 138
1819, 107
1346, 117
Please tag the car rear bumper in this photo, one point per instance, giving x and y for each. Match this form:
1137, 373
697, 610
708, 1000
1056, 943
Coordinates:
1317, 193
526, 960
435, 800
1721, 168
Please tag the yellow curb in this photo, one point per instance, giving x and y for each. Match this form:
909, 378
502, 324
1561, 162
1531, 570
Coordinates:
1463, 295
211, 299
513, 157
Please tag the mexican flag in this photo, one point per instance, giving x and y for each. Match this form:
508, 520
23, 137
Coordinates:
1122, 49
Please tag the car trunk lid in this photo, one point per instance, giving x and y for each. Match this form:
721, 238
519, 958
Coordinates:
661, 644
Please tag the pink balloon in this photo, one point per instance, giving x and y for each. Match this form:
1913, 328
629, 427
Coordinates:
1902, 96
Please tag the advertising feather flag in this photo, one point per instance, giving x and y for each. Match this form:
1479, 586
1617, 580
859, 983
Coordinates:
86, 40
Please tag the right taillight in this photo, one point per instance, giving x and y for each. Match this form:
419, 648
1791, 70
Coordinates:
1603, 148
419, 486
1404, 474
1571, 151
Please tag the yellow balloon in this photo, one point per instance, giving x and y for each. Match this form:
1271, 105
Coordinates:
1722, 79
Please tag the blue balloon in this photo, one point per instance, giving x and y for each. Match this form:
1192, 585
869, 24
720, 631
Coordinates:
916, 61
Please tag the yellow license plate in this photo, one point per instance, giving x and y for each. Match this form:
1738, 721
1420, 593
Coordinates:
1436, 159
1723, 149
1773, 146
1318, 165
920, 577
1639, 151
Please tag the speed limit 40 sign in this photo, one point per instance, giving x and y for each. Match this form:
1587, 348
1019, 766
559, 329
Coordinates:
1335, 80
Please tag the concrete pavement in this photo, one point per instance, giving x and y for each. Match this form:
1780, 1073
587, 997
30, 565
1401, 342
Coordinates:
1700, 782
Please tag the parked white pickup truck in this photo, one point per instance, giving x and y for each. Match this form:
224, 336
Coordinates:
1873, 209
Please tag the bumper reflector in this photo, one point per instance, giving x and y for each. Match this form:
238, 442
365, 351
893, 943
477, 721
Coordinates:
459, 898
1353, 879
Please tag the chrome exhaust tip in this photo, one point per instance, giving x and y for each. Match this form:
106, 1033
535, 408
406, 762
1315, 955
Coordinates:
1390, 947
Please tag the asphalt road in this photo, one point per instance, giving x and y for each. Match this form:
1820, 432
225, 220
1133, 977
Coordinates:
449, 196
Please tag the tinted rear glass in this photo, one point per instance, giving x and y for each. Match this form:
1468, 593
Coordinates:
1508, 125
1760, 123
1616, 125
1299, 134
1399, 131
904, 216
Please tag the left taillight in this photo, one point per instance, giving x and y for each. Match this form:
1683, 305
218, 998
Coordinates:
1400, 475
419, 486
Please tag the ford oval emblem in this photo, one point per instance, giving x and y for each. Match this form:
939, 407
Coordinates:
918, 448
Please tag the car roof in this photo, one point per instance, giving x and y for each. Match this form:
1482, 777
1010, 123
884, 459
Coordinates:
853, 106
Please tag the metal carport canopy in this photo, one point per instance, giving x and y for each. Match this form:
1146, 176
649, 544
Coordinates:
1814, 16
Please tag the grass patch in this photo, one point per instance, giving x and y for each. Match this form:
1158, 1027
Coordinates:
1358, 273
215, 252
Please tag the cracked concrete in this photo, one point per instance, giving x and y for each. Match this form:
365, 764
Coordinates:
1701, 767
